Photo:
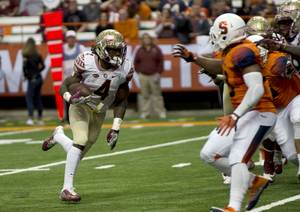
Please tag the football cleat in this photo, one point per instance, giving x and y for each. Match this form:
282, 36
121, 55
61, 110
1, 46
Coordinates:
226, 178
225, 209
255, 191
277, 161
50, 142
69, 195
271, 177
269, 171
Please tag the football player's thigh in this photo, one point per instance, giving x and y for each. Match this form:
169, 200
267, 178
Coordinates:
79, 121
251, 129
216, 146
294, 110
95, 126
282, 128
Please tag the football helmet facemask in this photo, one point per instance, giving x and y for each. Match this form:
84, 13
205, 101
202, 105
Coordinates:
227, 29
263, 51
258, 25
108, 41
287, 19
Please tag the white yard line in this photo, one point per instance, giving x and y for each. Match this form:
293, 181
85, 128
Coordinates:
107, 155
274, 204
19, 132
9, 170
10, 141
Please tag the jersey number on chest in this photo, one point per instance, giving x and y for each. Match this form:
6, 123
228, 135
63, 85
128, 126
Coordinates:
103, 90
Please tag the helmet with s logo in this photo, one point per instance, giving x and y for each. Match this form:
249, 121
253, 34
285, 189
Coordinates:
227, 29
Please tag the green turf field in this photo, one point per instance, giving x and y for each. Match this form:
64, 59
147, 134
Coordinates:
142, 178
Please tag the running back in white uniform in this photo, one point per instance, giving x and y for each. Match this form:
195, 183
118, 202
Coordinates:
103, 83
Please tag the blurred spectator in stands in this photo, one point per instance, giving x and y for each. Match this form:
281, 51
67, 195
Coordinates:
221, 8
183, 28
149, 64
245, 9
33, 64
41, 30
92, 11
63, 6
74, 16
112, 7
202, 11
165, 28
71, 49
175, 6
153, 4
270, 8
31, 7
264, 8
103, 25
138, 11
200, 27
126, 26
9, 7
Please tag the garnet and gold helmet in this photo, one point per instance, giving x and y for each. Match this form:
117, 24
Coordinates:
288, 19
111, 39
258, 25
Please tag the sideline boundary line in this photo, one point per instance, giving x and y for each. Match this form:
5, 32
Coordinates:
107, 155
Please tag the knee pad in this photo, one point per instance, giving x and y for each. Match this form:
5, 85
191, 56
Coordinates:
296, 127
81, 139
205, 157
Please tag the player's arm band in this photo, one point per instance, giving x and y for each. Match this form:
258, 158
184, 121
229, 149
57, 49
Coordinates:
117, 124
67, 96
254, 82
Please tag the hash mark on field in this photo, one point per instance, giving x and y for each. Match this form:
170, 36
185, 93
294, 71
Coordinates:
109, 154
181, 165
105, 167
274, 204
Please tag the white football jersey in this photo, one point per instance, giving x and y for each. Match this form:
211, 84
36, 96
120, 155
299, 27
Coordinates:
103, 83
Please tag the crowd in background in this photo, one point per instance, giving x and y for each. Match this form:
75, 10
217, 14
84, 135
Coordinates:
176, 18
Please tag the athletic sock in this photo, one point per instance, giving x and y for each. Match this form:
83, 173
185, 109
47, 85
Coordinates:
63, 140
73, 158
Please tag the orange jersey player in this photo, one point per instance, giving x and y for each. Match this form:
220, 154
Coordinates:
254, 114
241, 55
282, 88
285, 88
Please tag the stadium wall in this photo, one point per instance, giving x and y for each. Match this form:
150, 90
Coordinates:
178, 76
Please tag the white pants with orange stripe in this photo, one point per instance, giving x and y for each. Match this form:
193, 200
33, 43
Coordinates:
239, 145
